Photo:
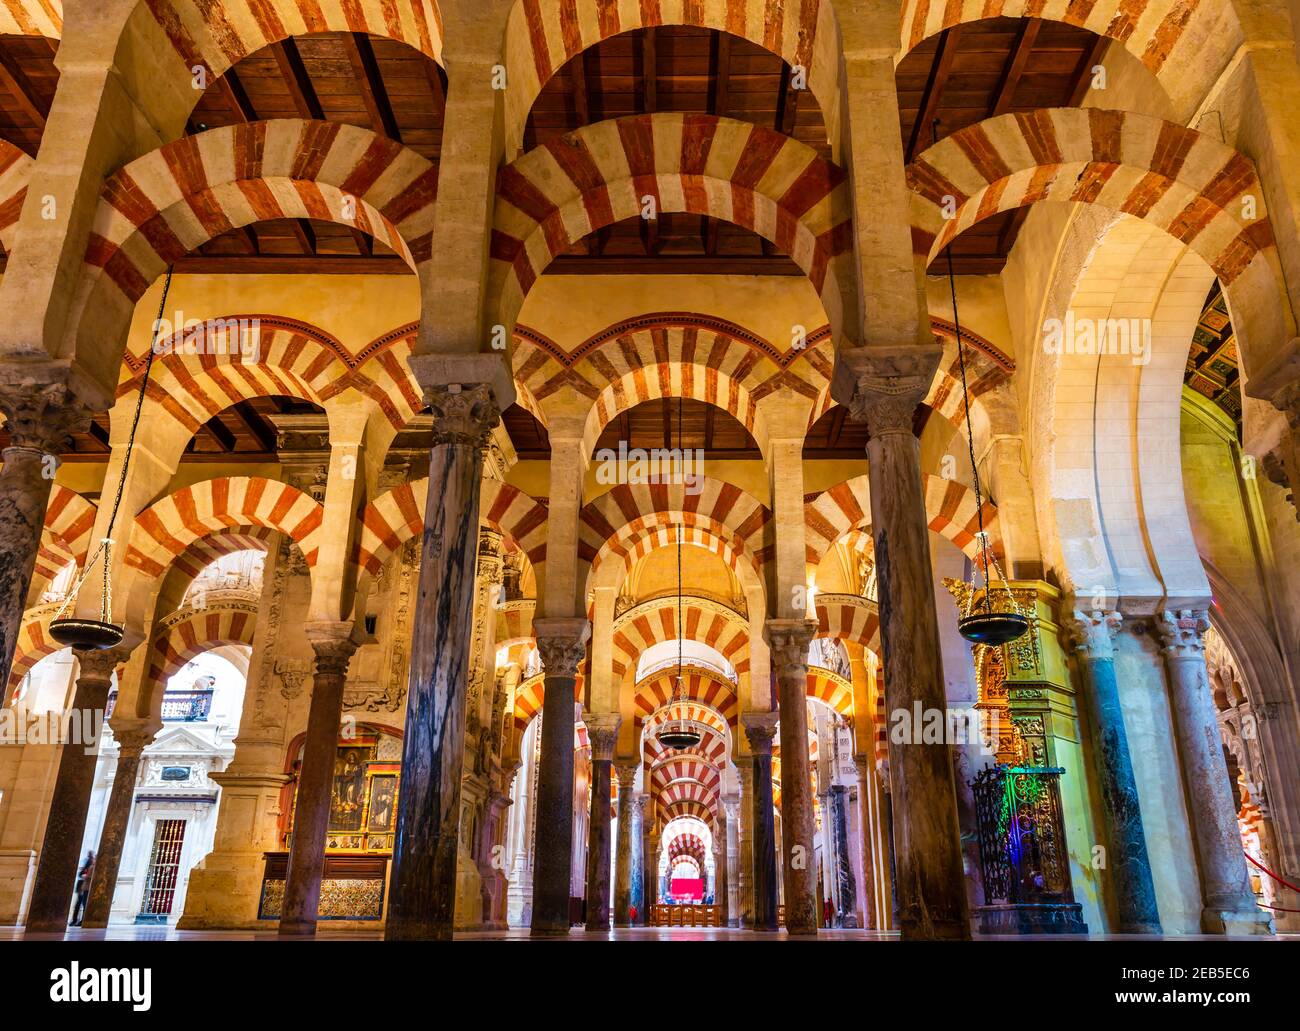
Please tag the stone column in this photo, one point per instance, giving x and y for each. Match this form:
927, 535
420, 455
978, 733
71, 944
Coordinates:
423, 881
333, 647
623, 856
66, 825
789, 640
132, 737
1091, 636
745, 842
645, 863
602, 730
562, 643
41, 413
731, 856
721, 878
1229, 904
886, 383
760, 728
866, 772
848, 890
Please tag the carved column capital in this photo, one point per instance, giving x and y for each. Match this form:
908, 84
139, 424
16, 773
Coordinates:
44, 403
463, 415
760, 729
489, 556
562, 644
101, 665
333, 645
133, 736
602, 732
626, 771
788, 640
1181, 632
885, 383
1091, 635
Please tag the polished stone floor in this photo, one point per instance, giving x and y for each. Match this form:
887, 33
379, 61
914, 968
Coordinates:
131, 932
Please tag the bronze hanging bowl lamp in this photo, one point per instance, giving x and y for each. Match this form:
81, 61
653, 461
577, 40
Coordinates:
981, 623
84, 633
679, 732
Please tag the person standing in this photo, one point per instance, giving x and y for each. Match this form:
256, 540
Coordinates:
84, 876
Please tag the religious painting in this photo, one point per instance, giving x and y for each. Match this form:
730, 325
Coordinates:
383, 804
347, 801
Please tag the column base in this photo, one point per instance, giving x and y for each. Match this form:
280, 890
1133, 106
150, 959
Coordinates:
1032, 918
1236, 920
947, 931
297, 929
548, 932
224, 893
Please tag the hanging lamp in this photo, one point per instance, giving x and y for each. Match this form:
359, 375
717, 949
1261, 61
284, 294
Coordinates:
680, 732
980, 624
102, 633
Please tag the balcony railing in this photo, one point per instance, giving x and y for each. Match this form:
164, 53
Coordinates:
186, 706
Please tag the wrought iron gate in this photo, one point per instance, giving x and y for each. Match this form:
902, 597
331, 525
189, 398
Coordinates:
164, 867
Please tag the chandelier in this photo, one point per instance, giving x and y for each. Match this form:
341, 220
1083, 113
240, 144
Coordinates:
99, 634
981, 622
679, 732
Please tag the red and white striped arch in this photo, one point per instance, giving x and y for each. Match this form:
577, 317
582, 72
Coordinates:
206, 550
397, 515
712, 747
1185, 182
685, 807
65, 536
33, 644
688, 845
543, 35
703, 621
849, 617
219, 33
702, 687
167, 528
616, 522
679, 767
1154, 31
32, 18
163, 205
206, 629
949, 506
830, 689
15, 175
560, 192
515, 623
382, 374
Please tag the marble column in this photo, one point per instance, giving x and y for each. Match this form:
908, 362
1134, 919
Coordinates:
65, 826
789, 640
602, 731
623, 856
562, 643
1090, 635
333, 646
760, 729
132, 738
731, 855
422, 892
843, 865
745, 843
720, 877
866, 772
645, 860
41, 412
887, 383
1228, 903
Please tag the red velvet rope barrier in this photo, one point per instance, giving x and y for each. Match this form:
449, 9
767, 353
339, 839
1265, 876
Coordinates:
1276, 909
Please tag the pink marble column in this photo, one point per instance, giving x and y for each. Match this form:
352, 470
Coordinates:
66, 825
884, 384
624, 851
422, 892
333, 646
789, 640
602, 731
1228, 903
562, 643
760, 729
132, 738
41, 412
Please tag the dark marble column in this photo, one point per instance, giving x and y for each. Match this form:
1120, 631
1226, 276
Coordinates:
333, 647
839, 822
602, 731
1228, 903
745, 843
132, 738
422, 891
885, 384
867, 840
562, 643
789, 640
720, 880
645, 861
731, 855
1090, 636
760, 729
41, 413
66, 825
624, 855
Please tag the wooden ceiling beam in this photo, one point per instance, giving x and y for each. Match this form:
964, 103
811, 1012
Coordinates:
1015, 66
719, 97
258, 428
434, 76
939, 72
14, 81
649, 73
787, 103
361, 55
1083, 72
304, 234
221, 433
364, 241
301, 91
578, 82
236, 97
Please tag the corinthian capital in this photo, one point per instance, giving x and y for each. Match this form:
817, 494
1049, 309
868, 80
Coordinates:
1091, 635
1180, 632
760, 729
562, 643
884, 384
602, 732
45, 403
789, 640
462, 415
